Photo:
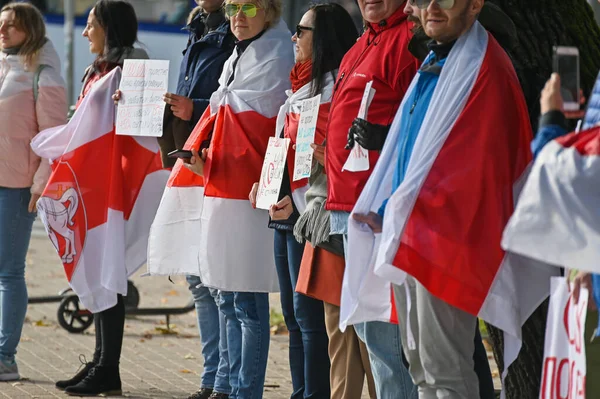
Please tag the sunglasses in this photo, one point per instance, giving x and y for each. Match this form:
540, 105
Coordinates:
249, 9
300, 28
423, 4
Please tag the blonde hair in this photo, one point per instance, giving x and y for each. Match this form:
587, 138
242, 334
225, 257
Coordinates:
273, 10
29, 20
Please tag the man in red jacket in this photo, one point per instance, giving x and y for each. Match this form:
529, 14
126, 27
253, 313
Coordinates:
381, 55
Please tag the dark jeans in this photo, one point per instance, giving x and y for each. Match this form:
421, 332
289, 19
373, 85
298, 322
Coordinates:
482, 368
109, 334
305, 320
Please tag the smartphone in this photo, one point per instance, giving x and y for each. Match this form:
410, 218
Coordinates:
566, 64
185, 154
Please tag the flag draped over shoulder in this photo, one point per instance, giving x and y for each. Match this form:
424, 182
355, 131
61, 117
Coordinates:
101, 197
288, 121
206, 226
444, 223
557, 220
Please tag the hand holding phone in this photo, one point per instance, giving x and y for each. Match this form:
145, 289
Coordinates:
183, 154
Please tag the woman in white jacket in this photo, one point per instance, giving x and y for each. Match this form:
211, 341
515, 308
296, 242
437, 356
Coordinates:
32, 98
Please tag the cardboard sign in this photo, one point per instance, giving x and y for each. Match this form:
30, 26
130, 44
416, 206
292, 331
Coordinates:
141, 107
272, 173
564, 371
305, 137
358, 160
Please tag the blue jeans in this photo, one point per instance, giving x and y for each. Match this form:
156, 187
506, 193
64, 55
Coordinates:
16, 223
305, 321
248, 337
392, 379
213, 336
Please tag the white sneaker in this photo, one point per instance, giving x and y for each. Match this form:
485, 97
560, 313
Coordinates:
9, 370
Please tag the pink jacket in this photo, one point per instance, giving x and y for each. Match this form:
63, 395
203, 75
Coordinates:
22, 118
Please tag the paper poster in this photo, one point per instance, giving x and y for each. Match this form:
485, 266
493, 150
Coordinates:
141, 107
358, 160
272, 173
564, 371
305, 137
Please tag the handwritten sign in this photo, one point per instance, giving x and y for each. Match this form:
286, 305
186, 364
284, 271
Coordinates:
272, 172
358, 160
564, 371
141, 107
305, 137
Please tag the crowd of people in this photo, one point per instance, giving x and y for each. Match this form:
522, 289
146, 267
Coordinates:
447, 135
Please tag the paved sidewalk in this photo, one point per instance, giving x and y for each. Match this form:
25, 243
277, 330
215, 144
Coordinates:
156, 362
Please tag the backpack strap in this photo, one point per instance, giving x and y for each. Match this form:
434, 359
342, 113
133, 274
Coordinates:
36, 81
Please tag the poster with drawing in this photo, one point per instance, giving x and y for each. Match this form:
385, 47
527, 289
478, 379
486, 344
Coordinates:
305, 137
141, 107
272, 172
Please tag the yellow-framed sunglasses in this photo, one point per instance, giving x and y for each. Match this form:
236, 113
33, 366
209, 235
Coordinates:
249, 9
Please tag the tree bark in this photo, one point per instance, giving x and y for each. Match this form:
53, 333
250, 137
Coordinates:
542, 24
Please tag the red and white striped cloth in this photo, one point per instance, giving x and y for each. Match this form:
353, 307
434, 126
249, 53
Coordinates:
206, 226
557, 220
444, 224
101, 197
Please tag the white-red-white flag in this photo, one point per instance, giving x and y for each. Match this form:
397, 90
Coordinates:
101, 197
206, 226
443, 224
557, 220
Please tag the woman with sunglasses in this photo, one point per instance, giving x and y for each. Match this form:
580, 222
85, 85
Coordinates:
32, 98
325, 33
112, 32
232, 240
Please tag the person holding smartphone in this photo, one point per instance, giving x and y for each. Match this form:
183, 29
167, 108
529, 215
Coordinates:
210, 44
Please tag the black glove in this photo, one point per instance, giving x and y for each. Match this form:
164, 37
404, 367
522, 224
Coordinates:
368, 135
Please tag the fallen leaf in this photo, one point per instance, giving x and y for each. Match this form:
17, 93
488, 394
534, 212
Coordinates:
185, 371
165, 331
41, 323
147, 335
495, 373
189, 356
164, 300
173, 293
142, 340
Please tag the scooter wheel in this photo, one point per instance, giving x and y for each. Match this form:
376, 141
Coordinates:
72, 317
132, 300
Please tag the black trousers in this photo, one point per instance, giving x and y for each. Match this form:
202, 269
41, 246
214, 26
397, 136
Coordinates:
109, 334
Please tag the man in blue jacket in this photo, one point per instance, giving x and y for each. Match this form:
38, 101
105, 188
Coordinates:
209, 45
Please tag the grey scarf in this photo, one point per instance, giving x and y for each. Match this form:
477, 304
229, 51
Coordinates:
313, 224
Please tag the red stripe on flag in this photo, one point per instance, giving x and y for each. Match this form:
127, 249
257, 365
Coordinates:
107, 172
586, 142
451, 243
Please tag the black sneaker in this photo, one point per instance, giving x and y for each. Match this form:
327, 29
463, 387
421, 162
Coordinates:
100, 381
217, 395
203, 393
83, 372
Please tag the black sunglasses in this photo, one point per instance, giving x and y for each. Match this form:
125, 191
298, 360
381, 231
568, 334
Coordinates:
300, 28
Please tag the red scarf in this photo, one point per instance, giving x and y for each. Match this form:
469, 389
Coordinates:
300, 75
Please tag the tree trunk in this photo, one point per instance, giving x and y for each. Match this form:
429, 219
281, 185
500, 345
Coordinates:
542, 24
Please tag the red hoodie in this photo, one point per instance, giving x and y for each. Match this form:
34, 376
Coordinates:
381, 55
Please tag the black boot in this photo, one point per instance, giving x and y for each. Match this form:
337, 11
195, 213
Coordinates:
100, 381
83, 372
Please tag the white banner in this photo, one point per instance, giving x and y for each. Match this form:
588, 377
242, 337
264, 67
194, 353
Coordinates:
272, 173
564, 371
141, 107
306, 136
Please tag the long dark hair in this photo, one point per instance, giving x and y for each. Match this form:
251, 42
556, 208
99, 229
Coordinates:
333, 35
120, 24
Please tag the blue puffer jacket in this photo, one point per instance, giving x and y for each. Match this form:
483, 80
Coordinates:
203, 61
